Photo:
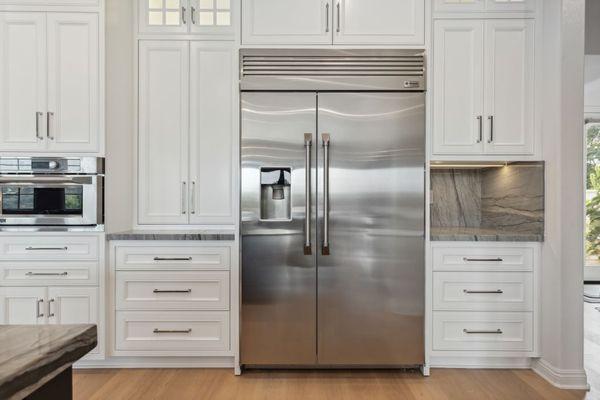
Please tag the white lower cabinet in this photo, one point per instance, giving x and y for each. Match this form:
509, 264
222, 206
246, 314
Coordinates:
22, 306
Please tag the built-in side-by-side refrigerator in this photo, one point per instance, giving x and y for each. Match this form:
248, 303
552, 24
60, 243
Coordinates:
332, 208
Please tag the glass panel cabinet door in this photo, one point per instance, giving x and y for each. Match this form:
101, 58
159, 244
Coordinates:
211, 16
164, 16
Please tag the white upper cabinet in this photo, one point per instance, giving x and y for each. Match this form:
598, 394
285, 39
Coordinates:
379, 22
484, 5
22, 81
163, 132
287, 21
510, 5
211, 17
484, 87
43, 3
352, 22
458, 87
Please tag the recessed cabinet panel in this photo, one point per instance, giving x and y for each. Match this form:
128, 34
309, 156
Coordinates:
510, 5
449, 6
163, 132
459, 5
22, 306
22, 81
72, 305
287, 21
379, 22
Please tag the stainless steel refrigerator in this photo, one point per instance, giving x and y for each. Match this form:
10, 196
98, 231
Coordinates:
332, 208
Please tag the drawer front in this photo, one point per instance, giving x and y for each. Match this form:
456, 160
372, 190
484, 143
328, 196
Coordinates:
483, 291
172, 331
154, 290
474, 258
49, 248
182, 258
476, 331
39, 273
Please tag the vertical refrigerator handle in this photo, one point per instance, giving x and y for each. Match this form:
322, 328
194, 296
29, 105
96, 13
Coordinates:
325, 250
308, 190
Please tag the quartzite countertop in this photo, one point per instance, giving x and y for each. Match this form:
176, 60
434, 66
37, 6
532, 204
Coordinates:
172, 235
33, 355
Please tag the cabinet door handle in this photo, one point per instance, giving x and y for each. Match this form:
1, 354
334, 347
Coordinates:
491, 118
173, 330
50, 313
327, 17
480, 120
338, 18
65, 248
50, 116
38, 308
490, 332
467, 291
47, 274
183, 197
172, 258
466, 259
193, 198
172, 291
183, 10
38, 115
193, 12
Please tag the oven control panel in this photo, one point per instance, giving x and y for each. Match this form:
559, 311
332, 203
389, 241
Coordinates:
51, 165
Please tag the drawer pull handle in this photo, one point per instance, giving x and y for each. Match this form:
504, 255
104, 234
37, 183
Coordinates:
493, 332
47, 274
47, 248
172, 291
172, 331
499, 291
467, 259
173, 259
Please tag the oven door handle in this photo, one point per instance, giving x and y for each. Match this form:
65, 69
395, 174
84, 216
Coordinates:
14, 179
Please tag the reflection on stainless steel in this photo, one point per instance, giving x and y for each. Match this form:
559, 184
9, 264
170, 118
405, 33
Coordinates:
359, 299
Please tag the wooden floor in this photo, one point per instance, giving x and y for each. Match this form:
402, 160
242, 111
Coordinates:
181, 384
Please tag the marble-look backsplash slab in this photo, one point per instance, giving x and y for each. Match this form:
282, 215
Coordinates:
507, 199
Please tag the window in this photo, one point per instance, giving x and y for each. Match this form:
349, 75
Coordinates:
164, 12
592, 234
214, 13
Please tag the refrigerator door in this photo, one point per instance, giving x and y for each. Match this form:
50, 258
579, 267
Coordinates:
278, 276
371, 267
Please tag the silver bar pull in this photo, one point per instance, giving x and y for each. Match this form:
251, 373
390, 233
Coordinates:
467, 291
38, 115
47, 273
338, 29
326, 139
467, 259
193, 198
480, 120
172, 258
308, 192
50, 313
491, 118
183, 197
491, 332
327, 17
172, 331
183, 10
65, 248
38, 308
172, 291
49, 125
193, 12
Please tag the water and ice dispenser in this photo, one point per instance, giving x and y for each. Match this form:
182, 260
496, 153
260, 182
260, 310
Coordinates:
275, 194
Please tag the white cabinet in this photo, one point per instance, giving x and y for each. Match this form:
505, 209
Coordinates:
43, 3
186, 146
210, 17
72, 305
50, 82
449, 6
484, 87
398, 22
22, 306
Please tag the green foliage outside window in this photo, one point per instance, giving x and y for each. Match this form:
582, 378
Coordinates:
593, 184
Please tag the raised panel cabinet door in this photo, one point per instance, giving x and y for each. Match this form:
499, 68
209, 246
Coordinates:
510, 87
212, 133
287, 21
448, 6
164, 16
22, 305
72, 305
22, 81
458, 87
397, 22
163, 132
73, 118
510, 5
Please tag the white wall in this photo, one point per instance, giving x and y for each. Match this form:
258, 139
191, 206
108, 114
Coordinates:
119, 115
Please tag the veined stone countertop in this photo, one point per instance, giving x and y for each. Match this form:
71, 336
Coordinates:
32, 355
172, 235
482, 235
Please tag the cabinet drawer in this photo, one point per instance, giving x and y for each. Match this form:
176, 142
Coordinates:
172, 331
140, 290
474, 258
46, 273
172, 257
477, 331
49, 248
483, 291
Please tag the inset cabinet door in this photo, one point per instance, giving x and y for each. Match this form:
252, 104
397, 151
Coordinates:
379, 22
458, 86
287, 21
163, 132
22, 305
212, 105
72, 305
510, 86
212, 17
164, 16
22, 81
73, 119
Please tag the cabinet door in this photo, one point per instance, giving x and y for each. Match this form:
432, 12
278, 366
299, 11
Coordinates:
73, 118
22, 305
72, 305
287, 21
163, 132
510, 86
458, 87
510, 5
379, 22
212, 17
212, 132
164, 16
22, 81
